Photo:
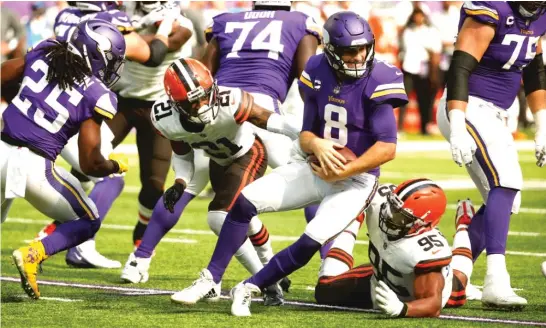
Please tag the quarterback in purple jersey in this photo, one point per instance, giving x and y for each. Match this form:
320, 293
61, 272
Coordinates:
107, 189
64, 89
261, 52
349, 101
497, 47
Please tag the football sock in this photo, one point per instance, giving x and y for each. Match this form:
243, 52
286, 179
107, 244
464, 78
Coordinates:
310, 212
144, 215
285, 262
340, 257
70, 234
246, 255
161, 222
497, 219
105, 192
232, 236
476, 233
259, 237
462, 255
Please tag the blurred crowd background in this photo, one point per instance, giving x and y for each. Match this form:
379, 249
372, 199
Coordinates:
416, 36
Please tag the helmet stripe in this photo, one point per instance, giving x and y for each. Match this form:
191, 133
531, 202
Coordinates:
191, 75
409, 185
179, 72
408, 190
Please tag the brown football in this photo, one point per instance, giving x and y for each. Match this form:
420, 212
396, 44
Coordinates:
345, 152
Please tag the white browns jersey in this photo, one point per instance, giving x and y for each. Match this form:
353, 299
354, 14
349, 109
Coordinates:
226, 138
146, 83
398, 262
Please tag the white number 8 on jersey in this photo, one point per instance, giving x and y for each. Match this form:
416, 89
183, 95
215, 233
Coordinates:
340, 124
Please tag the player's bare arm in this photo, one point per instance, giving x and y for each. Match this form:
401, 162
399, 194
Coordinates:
12, 70
249, 111
178, 37
211, 57
534, 83
182, 162
428, 295
91, 160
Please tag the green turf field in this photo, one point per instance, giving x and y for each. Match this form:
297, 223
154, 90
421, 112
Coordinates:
187, 250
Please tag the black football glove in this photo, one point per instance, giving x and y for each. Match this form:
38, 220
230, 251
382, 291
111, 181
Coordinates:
172, 195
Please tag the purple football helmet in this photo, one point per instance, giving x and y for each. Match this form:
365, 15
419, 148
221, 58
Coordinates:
347, 31
95, 5
102, 46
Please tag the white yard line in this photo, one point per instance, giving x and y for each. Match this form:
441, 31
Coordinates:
273, 237
58, 299
147, 291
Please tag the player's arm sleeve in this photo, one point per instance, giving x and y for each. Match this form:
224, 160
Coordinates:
432, 265
484, 12
383, 123
106, 106
182, 161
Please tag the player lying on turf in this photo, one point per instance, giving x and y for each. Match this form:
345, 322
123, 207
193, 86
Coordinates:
349, 101
199, 114
498, 47
410, 274
64, 89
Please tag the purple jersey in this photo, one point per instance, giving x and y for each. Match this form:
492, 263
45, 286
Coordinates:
257, 49
352, 113
45, 116
498, 76
68, 18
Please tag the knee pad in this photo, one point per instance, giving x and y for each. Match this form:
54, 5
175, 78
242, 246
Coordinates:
216, 219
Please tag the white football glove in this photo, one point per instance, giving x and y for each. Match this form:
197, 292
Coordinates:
387, 300
169, 10
463, 146
540, 137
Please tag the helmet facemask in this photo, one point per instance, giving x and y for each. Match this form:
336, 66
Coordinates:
334, 55
205, 114
398, 222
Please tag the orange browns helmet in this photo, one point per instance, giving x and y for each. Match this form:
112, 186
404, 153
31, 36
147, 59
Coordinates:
192, 90
415, 206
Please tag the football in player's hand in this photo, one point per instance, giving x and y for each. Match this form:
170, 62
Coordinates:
345, 152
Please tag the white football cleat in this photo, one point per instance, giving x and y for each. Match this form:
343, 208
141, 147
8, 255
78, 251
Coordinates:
241, 295
497, 293
202, 288
136, 269
473, 293
85, 255
544, 268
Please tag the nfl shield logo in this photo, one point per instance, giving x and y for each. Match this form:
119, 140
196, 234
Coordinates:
337, 90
